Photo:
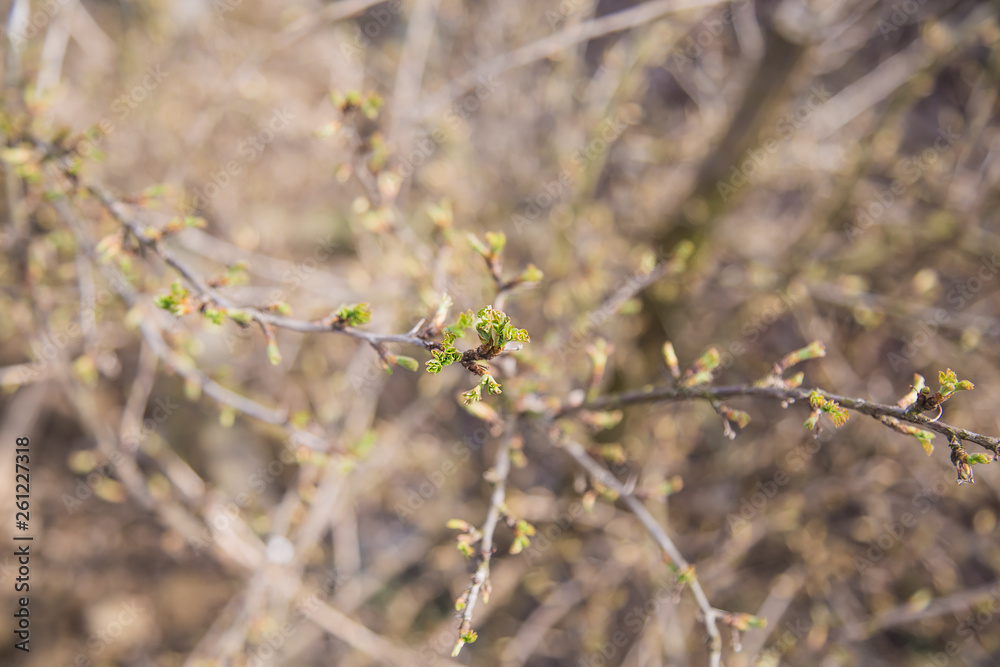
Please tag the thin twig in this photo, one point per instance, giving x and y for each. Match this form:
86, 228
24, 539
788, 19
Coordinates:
903, 614
178, 363
119, 211
481, 577
876, 410
542, 48
579, 454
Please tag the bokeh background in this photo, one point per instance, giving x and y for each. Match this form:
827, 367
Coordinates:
806, 170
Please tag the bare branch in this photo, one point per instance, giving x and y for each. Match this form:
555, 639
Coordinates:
579, 454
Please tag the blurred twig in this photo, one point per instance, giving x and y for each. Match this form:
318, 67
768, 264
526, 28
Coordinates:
542, 48
906, 613
711, 615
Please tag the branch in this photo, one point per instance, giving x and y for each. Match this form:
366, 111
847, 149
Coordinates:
789, 395
139, 230
903, 614
547, 46
710, 613
481, 577
179, 364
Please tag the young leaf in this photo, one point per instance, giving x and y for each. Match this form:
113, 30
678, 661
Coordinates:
354, 315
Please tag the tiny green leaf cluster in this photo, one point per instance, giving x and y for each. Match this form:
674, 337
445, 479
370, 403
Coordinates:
740, 417
454, 331
177, 301
742, 622
235, 274
476, 393
838, 414
950, 384
467, 637
531, 274
409, 363
495, 330
670, 356
442, 358
354, 315
449, 354
214, 315
925, 438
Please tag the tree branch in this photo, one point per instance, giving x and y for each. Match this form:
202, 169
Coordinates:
481, 577
877, 410
711, 615
138, 230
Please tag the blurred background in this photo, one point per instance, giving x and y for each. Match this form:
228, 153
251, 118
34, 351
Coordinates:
745, 175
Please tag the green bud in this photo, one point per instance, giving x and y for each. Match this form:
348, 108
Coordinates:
273, 354
409, 363
354, 315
